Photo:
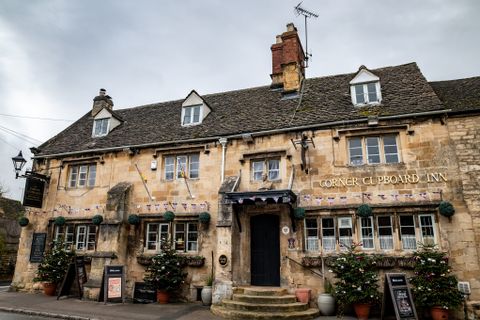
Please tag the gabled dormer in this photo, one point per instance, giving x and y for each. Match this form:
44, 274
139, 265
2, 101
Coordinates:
104, 119
365, 88
194, 109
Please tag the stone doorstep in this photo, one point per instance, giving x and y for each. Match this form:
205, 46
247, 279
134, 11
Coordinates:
242, 314
264, 299
270, 307
261, 291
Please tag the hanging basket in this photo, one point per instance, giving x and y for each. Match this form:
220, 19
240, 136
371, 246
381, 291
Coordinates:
134, 219
446, 209
23, 221
204, 217
59, 221
169, 216
299, 213
364, 211
97, 219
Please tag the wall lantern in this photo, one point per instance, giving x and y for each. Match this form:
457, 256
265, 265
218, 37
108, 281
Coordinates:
18, 164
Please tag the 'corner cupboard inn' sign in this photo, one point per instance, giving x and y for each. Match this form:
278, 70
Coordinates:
407, 178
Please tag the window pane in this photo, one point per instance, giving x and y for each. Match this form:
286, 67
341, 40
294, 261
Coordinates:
373, 151
192, 244
273, 169
82, 176
196, 114
92, 172
385, 232
328, 234
407, 232
169, 168
426, 224
73, 176
180, 236
366, 225
187, 116
390, 149
360, 98
81, 237
257, 168
345, 232
194, 165
152, 236
356, 152
91, 237
372, 92
181, 166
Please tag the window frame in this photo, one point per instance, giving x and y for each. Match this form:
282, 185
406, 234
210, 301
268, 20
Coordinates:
190, 110
371, 236
266, 169
104, 130
86, 244
74, 178
174, 170
365, 151
172, 232
365, 94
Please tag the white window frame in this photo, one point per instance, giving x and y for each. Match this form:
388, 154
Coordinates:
370, 236
82, 176
409, 242
264, 166
103, 129
159, 236
366, 98
164, 232
365, 150
345, 223
190, 110
422, 226
84, 232
329, 242
382, 239
66, 233
311, 241
173, 171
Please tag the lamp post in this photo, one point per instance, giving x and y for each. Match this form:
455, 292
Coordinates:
18, 164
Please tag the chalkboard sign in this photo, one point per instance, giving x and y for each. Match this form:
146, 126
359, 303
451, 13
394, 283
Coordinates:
38, 247
397, 297
144, 294
76, 276
113, 284
33, 196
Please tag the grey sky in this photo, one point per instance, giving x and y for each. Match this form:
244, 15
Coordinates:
56, 54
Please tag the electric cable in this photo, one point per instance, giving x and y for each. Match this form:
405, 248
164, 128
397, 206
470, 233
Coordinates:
21, 136
34, 118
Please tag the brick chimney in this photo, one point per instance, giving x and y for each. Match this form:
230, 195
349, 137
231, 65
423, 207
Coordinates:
288, 68
101, 101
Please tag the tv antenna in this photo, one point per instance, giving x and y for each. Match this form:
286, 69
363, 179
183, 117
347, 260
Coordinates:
306, 14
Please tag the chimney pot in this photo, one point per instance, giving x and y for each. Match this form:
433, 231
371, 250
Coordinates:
102, 92
279, 39
291, 27
101, 101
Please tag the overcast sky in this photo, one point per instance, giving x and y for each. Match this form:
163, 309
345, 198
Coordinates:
56, 54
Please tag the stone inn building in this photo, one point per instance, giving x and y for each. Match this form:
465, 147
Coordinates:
256, 160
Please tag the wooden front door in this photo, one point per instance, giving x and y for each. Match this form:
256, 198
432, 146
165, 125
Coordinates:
265, 250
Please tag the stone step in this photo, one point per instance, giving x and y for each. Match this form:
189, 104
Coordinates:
264, 291
264, 299
282, 307
242, 314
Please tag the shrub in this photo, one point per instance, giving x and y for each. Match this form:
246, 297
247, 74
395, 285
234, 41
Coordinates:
133, 219
169, 216
59, 221
204, 217
97, 219
54, 264
364, 211
23, 221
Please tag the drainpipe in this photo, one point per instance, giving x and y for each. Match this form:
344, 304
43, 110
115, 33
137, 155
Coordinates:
223, 142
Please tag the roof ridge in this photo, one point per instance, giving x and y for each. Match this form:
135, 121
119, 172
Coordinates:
451, 80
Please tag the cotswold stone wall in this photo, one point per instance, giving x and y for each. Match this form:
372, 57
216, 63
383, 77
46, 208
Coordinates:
465, 137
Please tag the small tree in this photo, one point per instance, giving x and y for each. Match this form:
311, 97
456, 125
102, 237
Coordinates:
433, 285
55, 263
166, 271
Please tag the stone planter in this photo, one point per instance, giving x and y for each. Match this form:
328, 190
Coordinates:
362, 310
206, 295
49, 289
303, 295
326, 304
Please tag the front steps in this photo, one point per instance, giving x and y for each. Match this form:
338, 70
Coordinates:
263, 303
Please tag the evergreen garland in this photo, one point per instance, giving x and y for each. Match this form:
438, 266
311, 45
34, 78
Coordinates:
169, 216
97, 219
55, 263
446, 209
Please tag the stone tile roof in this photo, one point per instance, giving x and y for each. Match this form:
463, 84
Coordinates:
459, 95
325, 99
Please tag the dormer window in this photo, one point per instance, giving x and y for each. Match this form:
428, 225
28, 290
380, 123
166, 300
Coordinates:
191, 115
365, 88
100, 127
194, 109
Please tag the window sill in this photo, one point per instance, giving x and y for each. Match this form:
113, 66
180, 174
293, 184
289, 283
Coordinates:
375, 164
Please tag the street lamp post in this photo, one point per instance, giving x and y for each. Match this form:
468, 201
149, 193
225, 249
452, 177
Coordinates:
18, 164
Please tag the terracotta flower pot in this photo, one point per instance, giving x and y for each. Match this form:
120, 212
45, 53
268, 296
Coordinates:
49, 289
439, 313
362, 310
303, 295
163, 296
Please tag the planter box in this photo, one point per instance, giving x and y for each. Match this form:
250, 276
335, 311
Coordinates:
312, 262
195, 262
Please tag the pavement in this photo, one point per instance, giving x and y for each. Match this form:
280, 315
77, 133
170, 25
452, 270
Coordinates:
40, 305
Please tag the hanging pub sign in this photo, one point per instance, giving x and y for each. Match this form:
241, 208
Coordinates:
38, 247
113, 289
397, 297
33, 196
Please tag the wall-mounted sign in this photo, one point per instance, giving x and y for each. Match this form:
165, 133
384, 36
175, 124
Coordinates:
397, 297
291, 243
413, 178
33, 196
285, 230
38, 247
223, 260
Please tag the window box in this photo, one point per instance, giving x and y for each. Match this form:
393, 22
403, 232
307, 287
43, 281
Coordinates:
312, 262
195, 261
385, 262
407, 262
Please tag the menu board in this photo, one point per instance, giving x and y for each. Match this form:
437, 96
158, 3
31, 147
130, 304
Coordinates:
38, 247
113, 284
397, 297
